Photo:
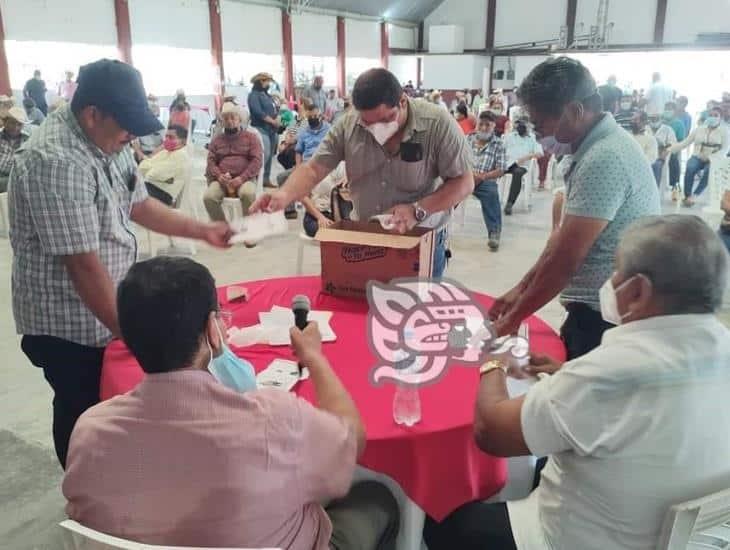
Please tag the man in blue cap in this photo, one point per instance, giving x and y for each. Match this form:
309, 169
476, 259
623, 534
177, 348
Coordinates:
73, 193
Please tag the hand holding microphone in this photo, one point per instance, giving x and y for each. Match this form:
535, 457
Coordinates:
305, 339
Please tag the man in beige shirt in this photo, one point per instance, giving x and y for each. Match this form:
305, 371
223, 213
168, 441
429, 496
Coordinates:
408, 158
182, 460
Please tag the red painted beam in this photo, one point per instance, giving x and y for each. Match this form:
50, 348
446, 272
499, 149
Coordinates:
384, 45
341, 56
4, 71
216, 50
288, 51
124, 30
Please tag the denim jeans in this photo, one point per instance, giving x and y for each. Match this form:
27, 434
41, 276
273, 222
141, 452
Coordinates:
488, 195
674, 170
271, 143
657, 167
725, 239
694, 166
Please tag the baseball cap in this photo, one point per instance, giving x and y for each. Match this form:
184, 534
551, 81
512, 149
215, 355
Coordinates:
16, 113
116, 88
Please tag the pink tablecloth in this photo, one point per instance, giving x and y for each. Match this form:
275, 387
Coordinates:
436, 462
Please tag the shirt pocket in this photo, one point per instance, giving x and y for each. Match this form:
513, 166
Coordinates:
408, 177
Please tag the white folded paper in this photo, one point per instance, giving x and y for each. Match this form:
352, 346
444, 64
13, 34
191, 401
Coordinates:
256, 227
281, 374
273, 328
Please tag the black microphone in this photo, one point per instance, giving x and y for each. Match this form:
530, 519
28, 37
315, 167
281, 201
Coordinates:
300, 306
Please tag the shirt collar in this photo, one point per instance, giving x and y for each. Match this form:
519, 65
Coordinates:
414, 123
601, 129
662, 323
70, 119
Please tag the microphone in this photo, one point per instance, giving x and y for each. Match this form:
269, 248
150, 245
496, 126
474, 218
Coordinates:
300, 306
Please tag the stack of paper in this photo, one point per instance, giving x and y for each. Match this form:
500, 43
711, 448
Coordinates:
274, 327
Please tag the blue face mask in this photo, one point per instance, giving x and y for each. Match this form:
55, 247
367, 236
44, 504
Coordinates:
230, 370
712, 121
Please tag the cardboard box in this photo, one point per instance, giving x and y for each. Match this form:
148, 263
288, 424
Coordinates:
354, 253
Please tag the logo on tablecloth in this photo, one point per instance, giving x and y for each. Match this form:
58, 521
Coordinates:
417, 327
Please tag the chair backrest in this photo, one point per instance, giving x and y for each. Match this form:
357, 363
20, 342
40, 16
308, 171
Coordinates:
693, 516
78, 537
260, 181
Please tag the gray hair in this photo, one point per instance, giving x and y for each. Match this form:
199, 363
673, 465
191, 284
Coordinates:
685, 260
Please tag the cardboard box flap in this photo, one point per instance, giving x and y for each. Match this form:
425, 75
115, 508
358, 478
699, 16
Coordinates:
369, 234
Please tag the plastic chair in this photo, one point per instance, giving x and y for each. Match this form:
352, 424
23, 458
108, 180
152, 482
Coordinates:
260, 181
524, 200
719, 182
232, 210
304, 240
4, 224
78, 537
684, 522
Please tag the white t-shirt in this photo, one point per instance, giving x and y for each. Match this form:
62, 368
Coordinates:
631, 428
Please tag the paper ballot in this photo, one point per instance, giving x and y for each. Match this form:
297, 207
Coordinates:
257, 227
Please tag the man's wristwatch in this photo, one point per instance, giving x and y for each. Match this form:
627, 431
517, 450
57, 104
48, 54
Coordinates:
489, 366
419, 213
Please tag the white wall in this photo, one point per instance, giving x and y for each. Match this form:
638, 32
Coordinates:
362, 39
529, 20
262, 37
80, 21
404, 67
454, 71
633, 19
502, 63
470, 14
402, 37
314, 35
685, 19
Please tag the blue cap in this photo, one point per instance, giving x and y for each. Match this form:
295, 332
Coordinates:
116, 88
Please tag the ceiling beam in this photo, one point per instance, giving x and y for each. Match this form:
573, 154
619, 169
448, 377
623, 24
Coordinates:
661, 18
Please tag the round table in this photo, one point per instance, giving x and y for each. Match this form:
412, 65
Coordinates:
435, 462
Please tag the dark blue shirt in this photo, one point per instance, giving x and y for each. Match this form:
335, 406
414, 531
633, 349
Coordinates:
260, 105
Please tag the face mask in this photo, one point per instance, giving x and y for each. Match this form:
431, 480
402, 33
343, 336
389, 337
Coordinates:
314, 122
383, 131
230, 131
521, 129
484, 136
712, 121
609, 304
230, 370
169, 144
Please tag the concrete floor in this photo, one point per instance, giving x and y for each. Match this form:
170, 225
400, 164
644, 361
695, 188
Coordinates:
30, 500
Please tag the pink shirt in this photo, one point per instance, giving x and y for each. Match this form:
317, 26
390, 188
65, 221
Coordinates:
181, 460
67, 89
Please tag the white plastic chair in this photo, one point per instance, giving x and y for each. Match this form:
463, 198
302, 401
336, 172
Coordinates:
304, 240
719, 182
4, 216
260, 181
77, 537
684, 523
524, 200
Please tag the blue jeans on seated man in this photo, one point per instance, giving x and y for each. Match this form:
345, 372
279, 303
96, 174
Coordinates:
694, 166
657, 166
488, 195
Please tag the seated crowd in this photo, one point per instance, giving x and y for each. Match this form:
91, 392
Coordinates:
189, 458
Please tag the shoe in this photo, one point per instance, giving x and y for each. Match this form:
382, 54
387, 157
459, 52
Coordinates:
250, 244
675, 195
493, 242
688, 202
269, 185
541, 186
290, 214
508, 209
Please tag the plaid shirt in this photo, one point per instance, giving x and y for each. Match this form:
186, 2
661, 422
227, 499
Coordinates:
67, 197
8, 146
491, 156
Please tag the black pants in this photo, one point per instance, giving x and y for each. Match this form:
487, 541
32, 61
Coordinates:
474, 526
311, 225
582, 330
74, 373
516, 186
673, 170
157, 193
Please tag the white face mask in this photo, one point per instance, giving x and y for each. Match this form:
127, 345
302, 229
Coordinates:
383, 131
609, 304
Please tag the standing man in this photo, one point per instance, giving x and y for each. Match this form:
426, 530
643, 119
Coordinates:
404, 157
683, 115
35, 89
658, 95
67, 88
12, 137
626, 112
72, 194
608, 186
316, 94
490, 164
265, 118
665, 138
610, 94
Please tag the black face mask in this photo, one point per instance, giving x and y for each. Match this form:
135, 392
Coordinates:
521, 130
314, 122
230, 131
